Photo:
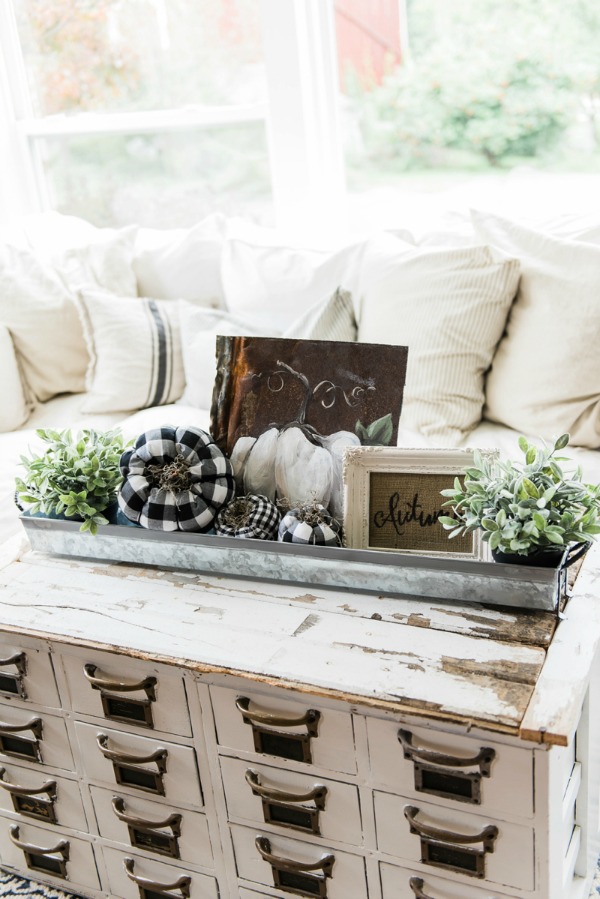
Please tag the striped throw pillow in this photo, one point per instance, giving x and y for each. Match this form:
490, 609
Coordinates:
449, 306
135, 349
332, 319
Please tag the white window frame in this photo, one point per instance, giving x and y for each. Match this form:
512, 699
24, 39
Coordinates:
301, 117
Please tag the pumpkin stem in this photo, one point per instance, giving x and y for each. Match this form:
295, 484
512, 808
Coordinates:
301, 417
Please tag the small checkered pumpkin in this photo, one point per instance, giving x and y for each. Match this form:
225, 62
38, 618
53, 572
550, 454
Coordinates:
310, 524
250, 516
175, 479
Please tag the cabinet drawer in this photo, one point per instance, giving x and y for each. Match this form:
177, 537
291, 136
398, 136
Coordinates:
133, 877
271, 724
133, 821
143, 764
497, 851
49, 853
292, 800
42, 797
297, 867
428, 764
404, 883
127, 691
33, 737
27, 675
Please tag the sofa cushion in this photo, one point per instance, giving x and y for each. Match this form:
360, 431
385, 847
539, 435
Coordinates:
14, 408
332, 319
135, 350
42, 317
545, 377
199, 330
276, 284
449, 306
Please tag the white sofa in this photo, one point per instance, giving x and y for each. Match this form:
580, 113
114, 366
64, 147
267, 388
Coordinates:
102, 328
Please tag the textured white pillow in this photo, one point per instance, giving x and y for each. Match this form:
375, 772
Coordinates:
449, 306
14, 408
275, 285
545, 377
42, 317
135, 351
199, 330
82, 254
333, 319
182, 265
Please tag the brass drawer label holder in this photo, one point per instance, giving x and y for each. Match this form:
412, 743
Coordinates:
450, 850
117, 708
269, 739
430, 776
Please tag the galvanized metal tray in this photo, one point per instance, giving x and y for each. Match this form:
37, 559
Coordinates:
363, 571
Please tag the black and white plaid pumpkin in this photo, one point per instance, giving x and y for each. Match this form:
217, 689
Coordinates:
249, 516
311, 524
175, 479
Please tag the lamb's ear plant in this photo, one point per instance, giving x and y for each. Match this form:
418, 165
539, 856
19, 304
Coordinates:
524, 507
77, 475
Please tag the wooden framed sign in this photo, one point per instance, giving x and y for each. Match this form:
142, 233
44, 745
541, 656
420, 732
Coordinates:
392, 501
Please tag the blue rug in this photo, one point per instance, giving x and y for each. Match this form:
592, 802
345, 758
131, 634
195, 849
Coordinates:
16, 886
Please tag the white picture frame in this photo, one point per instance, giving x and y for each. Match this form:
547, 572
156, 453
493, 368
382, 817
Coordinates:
376, 519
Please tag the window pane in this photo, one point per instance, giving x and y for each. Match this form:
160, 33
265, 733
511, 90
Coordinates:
489, 102
111, 55
161, 180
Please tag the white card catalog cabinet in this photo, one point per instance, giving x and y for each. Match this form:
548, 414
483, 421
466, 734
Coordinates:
226, 739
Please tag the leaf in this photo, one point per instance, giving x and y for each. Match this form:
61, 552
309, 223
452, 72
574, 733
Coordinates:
562, 441
523, 444
447, 522
489, 524
530, 488
378, 433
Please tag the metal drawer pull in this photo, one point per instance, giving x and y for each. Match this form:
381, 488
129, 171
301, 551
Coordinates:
120, 686
483, 759
49, 787
62, 847
325, 863
310, 718
173, 821
124, 758
41, 859
416, 884
182, 883
316, 795
487, 836
19, 659
34, 725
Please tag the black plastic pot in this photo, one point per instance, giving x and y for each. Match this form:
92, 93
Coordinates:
562, 557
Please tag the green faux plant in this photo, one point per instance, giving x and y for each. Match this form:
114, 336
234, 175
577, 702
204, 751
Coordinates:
524, 507
77, 475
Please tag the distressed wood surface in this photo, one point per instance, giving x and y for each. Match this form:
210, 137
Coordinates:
470, 664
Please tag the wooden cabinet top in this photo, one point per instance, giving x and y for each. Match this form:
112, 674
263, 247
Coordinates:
521, 673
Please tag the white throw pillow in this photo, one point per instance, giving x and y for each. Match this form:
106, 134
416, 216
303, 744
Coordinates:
545, 377
42, 317
82, 254
14, 407
135, 351
199, 330
275, 285
333, 319
449, 306
182, 265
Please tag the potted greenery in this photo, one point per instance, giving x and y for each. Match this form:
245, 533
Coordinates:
77, 476
529, 511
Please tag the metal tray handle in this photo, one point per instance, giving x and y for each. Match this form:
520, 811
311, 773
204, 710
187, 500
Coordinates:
416, 884
121, 685
173, 821
159, 756
483, 759
487, 836
62, 847
310, 718
316, 795
19, 659
48, 787
182, 883
34, 725
324, 864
